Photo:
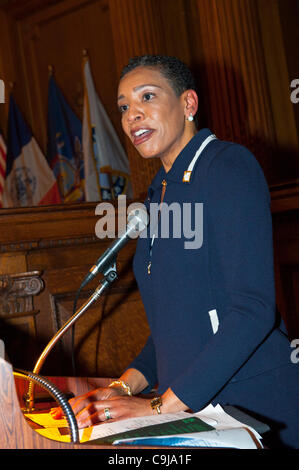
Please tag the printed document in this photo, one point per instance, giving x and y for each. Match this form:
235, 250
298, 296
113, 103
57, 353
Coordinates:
210, 427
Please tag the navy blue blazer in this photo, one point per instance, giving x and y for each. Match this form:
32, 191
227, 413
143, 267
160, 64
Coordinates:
211, 309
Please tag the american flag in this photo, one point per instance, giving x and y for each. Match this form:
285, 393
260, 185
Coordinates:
3, 152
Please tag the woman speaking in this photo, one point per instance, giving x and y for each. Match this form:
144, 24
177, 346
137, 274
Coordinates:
210, 306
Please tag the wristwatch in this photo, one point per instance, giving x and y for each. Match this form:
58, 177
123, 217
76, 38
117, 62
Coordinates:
156, 403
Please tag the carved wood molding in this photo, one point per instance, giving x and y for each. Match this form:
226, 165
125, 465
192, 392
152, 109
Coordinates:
17, 292
285, 197
47, 227
38, 244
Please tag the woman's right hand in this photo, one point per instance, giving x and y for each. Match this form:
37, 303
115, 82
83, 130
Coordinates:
81, 401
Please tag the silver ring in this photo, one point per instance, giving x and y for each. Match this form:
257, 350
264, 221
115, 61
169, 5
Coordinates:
107, 413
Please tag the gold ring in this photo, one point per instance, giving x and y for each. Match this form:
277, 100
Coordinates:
107, 413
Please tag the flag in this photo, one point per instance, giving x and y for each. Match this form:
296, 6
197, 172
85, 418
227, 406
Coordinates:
29, 179
106, 165
3, 152
64, 151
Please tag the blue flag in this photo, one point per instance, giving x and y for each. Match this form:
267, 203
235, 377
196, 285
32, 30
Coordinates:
64, 145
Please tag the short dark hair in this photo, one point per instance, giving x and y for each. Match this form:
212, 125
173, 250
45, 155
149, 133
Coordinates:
173, 69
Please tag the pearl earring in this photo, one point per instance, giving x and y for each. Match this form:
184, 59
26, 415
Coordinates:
190, 118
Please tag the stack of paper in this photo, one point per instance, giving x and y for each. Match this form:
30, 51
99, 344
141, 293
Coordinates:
211, 427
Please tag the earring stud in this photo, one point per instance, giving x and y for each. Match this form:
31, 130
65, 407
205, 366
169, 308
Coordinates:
190, 118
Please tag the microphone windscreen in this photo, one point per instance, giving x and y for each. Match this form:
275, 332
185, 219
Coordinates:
138, 219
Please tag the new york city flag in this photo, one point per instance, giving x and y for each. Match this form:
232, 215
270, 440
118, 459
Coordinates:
29, 180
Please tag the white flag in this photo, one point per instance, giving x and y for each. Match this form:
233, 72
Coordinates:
106, 165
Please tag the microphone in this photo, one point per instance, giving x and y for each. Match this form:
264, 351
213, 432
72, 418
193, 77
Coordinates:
137, 221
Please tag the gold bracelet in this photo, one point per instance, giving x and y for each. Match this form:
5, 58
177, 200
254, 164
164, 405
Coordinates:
156, 403
122, 384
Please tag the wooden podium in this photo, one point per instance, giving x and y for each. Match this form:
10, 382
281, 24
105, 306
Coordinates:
15, 431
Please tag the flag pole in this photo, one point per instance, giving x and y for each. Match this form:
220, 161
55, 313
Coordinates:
85, 60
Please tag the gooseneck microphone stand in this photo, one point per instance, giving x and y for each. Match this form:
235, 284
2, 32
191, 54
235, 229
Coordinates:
58, 396
110, 275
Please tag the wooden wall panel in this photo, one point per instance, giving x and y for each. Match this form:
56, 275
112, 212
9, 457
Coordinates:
288, 13
284, 156
233, 72
9, 63
57, 36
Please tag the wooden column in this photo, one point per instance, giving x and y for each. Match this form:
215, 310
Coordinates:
276, 53
229, 51
18, 314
